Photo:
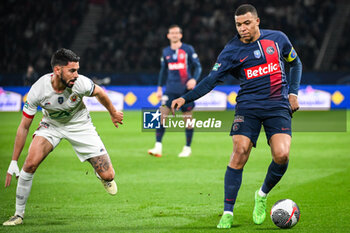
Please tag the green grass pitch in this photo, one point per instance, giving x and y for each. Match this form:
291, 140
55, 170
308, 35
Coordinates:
172, 194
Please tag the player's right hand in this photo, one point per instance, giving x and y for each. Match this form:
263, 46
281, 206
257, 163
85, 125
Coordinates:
117, 118
13, 169
159, 93
176, 104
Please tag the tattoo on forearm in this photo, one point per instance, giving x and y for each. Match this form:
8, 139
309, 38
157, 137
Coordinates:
100, 163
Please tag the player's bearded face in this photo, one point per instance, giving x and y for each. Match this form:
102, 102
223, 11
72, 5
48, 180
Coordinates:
69, 74
247, 26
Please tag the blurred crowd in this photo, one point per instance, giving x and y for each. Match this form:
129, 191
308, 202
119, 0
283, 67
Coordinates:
32, 30
131, 34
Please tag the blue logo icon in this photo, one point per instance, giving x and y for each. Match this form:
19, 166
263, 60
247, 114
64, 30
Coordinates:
257, 54
151, 120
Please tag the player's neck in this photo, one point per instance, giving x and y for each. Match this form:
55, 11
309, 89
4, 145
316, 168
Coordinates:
57, 84
175, 45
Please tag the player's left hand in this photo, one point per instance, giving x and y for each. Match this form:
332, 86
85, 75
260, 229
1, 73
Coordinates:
117, 118
191, 84
293, 101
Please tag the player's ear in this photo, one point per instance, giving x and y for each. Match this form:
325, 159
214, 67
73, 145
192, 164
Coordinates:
57, 70
258, 21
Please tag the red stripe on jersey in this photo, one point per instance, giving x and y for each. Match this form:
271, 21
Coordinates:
271, 54
28, 116
182, 59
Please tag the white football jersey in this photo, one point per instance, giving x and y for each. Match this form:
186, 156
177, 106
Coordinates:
65, 107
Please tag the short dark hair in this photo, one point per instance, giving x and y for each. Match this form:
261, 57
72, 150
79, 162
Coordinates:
62, 56
175, 26
245, 8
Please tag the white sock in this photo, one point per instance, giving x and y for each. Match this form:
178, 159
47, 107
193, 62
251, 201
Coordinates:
24, 186
261, 193
227, 212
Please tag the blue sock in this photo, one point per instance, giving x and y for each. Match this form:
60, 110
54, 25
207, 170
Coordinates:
160, 133
189, 135
233, 180
274, 174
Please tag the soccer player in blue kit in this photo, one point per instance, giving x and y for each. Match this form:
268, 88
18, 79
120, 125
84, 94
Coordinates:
266, 97
177, 62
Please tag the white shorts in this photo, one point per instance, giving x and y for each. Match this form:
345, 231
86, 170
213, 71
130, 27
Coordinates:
83, 137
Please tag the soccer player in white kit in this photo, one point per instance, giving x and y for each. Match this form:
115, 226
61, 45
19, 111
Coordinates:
60, 95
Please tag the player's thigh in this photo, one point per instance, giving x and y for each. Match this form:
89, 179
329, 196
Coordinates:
246, 123
188, 117
280, 147
85, 141
277, 122
39, 148
164, 110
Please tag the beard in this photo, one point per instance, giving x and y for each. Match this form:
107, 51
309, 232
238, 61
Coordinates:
66, 83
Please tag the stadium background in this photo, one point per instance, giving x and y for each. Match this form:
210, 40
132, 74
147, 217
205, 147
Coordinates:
120, 43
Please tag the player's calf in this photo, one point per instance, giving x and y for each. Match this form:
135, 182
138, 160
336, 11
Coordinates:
105, 173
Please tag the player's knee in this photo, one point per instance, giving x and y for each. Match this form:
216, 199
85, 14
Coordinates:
29, 166
240, 151
281, 157
239, 158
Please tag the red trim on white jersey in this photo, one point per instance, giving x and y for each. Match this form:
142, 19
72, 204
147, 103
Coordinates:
28, 116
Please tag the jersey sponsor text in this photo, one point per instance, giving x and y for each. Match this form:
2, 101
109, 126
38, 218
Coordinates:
262, 70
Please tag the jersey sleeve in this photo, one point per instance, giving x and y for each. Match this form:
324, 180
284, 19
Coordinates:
84, 86
288, 51
194, 61
163, 70
223, 65
30, 107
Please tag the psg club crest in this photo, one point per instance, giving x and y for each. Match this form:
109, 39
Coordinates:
270, 50
60, 100
235, 126
257, 54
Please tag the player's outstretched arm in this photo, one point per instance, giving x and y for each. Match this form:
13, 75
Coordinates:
20, 140
102, 97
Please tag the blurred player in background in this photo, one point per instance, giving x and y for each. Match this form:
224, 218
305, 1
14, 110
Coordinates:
256, 57
60, 95
177, 62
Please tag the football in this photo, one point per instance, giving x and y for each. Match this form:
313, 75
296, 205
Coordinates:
285, 213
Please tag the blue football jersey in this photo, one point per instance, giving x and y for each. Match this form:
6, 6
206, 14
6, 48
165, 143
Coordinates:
177, 66
260, 68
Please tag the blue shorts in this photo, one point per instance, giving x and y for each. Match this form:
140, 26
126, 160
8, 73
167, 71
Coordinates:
248, 123
167, 98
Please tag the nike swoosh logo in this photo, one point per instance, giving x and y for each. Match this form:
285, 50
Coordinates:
242, 60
